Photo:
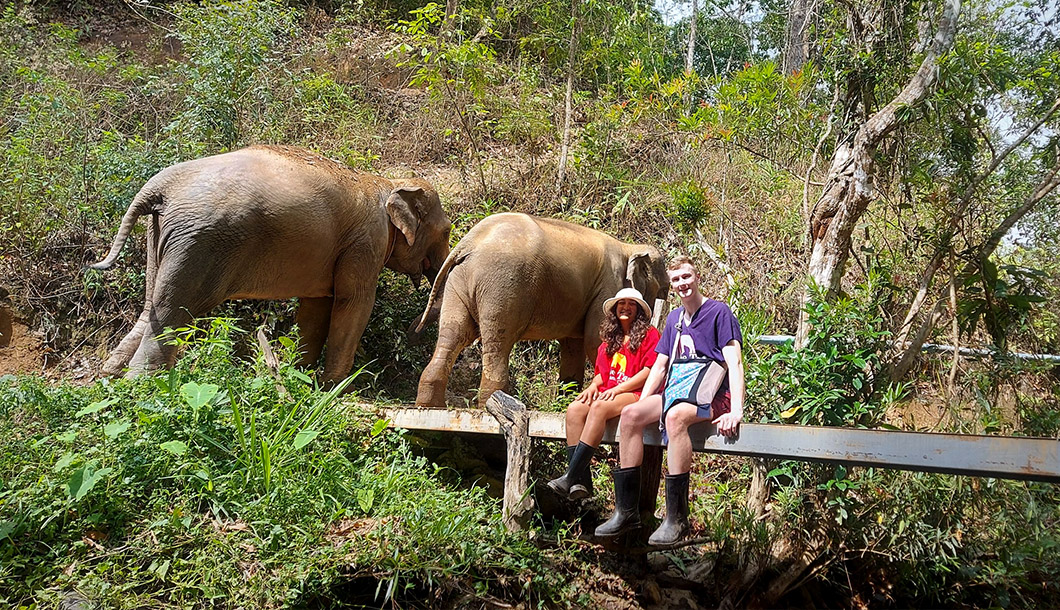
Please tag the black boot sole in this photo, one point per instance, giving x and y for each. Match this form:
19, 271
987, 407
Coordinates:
625, 529
579, 492
681, 535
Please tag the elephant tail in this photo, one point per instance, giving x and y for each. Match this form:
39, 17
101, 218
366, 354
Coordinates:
456, 256
147, 201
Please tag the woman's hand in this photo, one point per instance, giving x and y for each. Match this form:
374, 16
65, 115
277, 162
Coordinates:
587, 395
608, 394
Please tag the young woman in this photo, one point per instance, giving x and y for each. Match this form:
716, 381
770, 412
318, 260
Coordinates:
626, 354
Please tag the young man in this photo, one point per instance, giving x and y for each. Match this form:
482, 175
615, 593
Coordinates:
682, 389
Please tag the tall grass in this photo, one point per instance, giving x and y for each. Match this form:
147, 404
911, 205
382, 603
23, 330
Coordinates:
224, 483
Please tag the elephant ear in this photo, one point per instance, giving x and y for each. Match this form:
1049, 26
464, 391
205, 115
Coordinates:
645, 272
404, 209
638, 267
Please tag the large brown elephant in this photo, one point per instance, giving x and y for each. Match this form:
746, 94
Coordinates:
275, 222
515, 276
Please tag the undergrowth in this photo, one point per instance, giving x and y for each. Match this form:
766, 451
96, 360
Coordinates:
224, 483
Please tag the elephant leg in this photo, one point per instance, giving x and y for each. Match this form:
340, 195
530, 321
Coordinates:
120, 356
456, 331
154, 353
350, 310
496, 354
571, 360
591, 331
313, 319
182, 292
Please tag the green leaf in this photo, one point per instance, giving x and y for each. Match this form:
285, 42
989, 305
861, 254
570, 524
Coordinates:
177, 448
379, 426
302, 376
161, 570
65, 461
198, 395
95, 407
84, 479
113, 429
305, 437
365, 499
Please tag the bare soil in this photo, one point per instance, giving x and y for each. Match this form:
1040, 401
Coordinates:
21, 351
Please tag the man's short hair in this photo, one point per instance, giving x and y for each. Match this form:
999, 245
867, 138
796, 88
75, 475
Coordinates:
679, 260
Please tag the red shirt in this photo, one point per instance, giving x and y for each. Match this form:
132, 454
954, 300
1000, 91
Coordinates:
625, 364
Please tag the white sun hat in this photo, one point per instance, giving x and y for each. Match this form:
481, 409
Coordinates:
628, 293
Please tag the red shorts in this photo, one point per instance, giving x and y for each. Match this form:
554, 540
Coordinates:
721, 405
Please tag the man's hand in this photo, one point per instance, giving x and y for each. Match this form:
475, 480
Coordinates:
729, 423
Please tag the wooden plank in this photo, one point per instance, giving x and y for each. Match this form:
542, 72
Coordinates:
1033, 459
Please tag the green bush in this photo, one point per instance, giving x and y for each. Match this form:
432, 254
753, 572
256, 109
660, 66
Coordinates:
834, 380
225, 483
230, 46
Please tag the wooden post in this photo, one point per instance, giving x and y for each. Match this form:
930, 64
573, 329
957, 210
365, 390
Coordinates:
650, 477
271, 361
514, 420
651, 465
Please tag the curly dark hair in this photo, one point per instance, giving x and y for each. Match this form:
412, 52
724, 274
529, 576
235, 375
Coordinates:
611, 331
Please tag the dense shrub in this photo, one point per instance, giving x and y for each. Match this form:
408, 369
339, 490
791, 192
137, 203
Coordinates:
224, 482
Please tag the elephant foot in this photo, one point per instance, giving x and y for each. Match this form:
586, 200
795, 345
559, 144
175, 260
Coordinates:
431, 395
114, 366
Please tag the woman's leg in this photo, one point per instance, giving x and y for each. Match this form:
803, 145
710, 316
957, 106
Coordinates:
577, 412
599, 413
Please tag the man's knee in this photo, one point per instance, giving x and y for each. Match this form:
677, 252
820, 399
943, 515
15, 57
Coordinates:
681, 416
636, 415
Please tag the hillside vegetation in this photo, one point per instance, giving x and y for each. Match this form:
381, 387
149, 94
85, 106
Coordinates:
226, 483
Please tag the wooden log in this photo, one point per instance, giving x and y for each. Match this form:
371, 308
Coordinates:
650, 477
514, 421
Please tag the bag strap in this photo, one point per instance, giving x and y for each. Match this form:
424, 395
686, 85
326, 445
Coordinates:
677, 339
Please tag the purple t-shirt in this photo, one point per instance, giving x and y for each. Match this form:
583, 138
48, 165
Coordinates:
712, 327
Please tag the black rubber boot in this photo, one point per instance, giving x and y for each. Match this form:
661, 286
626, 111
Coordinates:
627, 504
675, 526
573, 482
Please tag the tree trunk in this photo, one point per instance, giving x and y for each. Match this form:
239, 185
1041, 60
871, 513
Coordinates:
572, 49
849, 187
451, 7
690, 55
797, 35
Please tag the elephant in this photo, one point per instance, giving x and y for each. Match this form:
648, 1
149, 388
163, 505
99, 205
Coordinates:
275, 222
515, 276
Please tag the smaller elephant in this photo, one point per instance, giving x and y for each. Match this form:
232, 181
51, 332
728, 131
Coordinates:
275, 222
514, 277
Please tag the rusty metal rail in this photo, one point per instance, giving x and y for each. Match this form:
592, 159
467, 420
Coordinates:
1030, 459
